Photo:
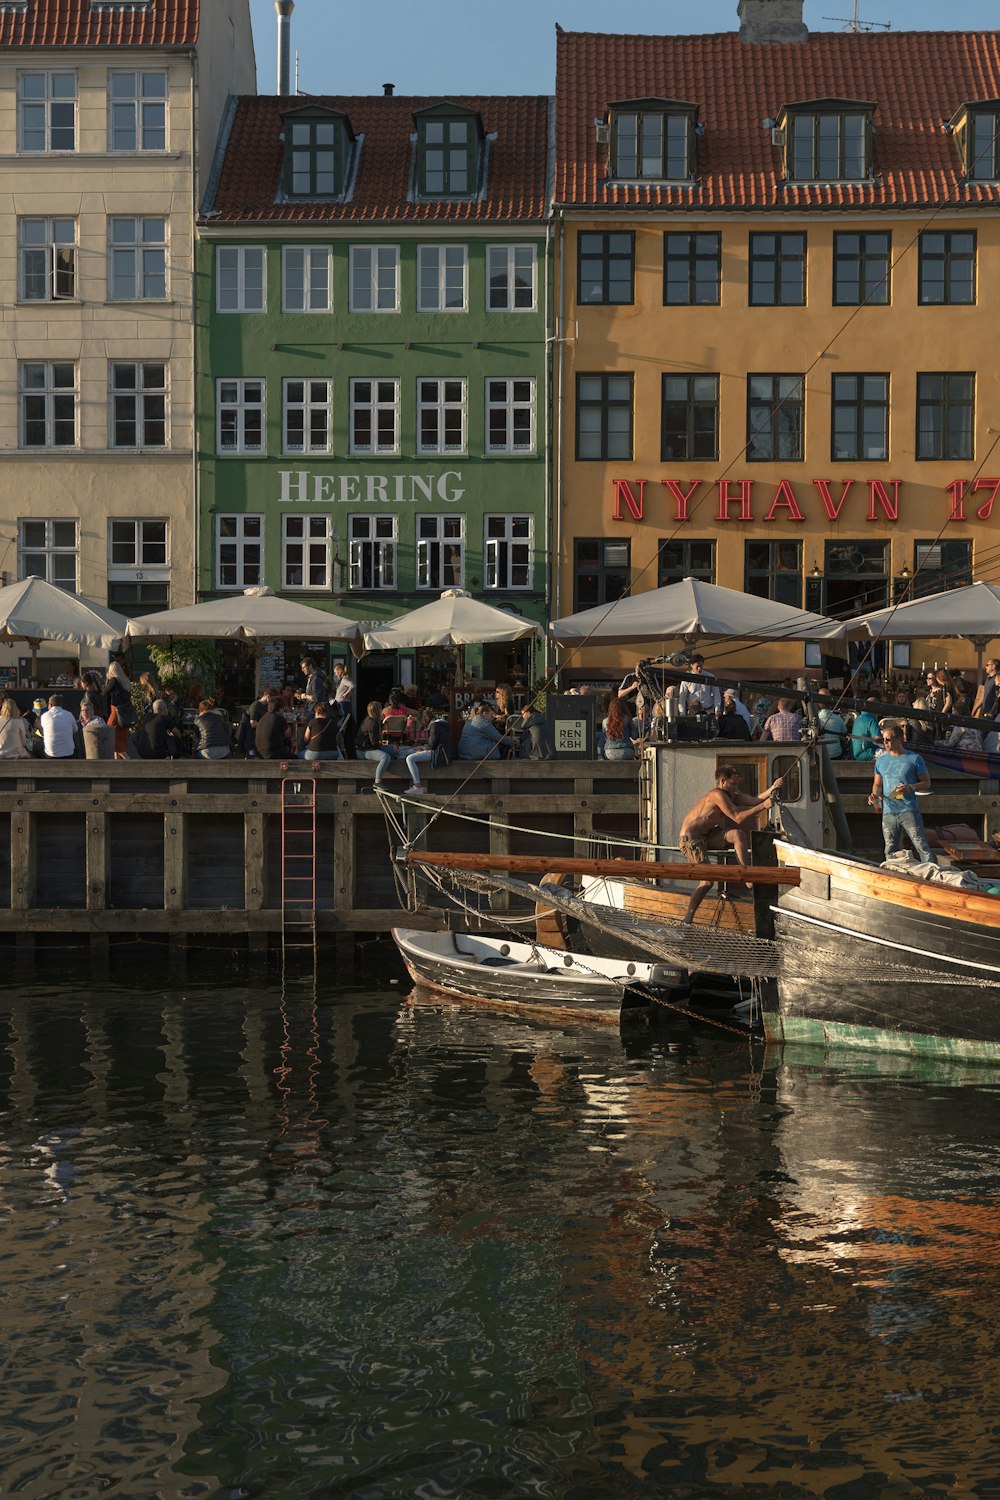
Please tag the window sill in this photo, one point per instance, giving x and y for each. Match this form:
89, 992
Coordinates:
100, 453
102, 156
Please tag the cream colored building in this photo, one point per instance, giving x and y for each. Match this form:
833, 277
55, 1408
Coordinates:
109, 116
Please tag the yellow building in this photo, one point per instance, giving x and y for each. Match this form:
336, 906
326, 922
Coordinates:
109, 116
777, 265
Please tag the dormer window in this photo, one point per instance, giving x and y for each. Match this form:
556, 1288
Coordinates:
828, 140
317, 150
652, 140
449, 151
976, 128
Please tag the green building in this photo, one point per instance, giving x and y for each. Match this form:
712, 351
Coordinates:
373, 296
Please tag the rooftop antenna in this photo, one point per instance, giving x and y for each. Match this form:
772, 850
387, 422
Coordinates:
297, 89
856, 24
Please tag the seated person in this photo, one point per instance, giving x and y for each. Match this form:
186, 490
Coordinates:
784, 724
322, 734
213, 735
733, 725
156, 739
369, 746
481, 739
535, 742
272, 737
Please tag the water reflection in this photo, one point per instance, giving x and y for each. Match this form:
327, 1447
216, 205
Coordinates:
285, 1240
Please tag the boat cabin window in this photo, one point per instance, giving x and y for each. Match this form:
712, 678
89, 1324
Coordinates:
790, 768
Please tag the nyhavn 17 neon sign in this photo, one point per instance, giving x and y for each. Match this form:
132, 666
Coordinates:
968, 499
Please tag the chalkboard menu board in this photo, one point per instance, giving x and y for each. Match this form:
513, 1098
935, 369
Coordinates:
271, 664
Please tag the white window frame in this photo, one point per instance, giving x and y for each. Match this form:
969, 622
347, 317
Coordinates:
377, 404
316, 541
309, 403
240, 255
432, 397
50, 393
138, 102
497, 546
378, 535
364, 284
501, 260
138, 393
430, 550
509, 405
144, 566
149, 256
242, 407
49, 549
48, 99
436, 264
315, 259
59, 257
248, 551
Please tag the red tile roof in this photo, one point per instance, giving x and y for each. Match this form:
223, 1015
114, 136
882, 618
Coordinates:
918, 78
516, 179
76, 23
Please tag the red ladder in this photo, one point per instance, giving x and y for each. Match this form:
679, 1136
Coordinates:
298, 862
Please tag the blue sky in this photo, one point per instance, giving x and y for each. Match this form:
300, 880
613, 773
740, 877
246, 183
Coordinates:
454, 46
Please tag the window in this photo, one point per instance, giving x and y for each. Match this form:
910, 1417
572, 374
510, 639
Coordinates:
239, 552
374, 416
240, 406
861, 267
510, 278
139, 598
305, 552
47, 250
441, 416
604, 416
855, 578
651, 142
137, 260
508, 552
306, 279
829, 145
690, 426
241, 278
46, 112
441, 278
773, 570
976, 133
136, 548
317, 149
606, 267
692, 270
510, 416
678, 560
138, 417
440, 552
947, 267
373, 552
308, 416
860, 417
374, 278
48, 549
775, 417
137, 112
601, 571
448, 153
48, 405
940, 565
945, 411
777, 270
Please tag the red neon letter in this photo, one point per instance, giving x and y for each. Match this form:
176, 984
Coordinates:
673, 488
832, 511
877, 491
623, 491
957, 492
726, 500
986, 509
785, 495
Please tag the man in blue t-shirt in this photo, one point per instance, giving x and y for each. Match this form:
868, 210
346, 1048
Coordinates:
899, 775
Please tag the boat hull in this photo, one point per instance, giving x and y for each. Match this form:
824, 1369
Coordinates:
878, 961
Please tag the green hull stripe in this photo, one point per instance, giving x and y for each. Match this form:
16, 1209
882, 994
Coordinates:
877, 1039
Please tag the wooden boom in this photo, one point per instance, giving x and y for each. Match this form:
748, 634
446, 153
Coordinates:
632, 869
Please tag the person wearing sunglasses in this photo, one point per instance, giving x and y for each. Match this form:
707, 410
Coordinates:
899, 775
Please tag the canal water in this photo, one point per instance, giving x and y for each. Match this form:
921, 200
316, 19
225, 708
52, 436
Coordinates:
264, 1239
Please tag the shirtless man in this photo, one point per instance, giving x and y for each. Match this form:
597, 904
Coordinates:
717, 820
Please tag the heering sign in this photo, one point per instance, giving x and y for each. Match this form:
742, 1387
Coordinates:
298, 486
734, 501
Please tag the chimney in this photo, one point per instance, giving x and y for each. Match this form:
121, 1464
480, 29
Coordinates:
772, 21
388, 89
284, 9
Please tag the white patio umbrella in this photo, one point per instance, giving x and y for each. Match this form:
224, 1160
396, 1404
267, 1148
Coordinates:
456, 619
693, 611
258, 614
34, 611
970, 613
